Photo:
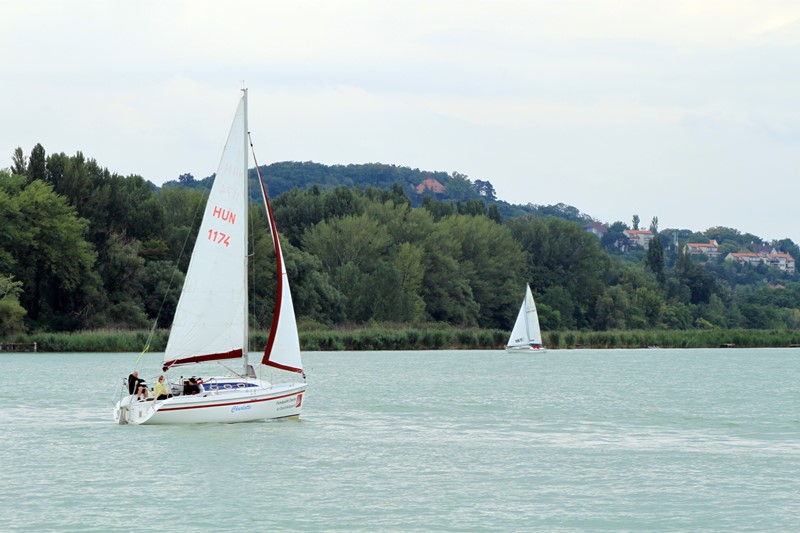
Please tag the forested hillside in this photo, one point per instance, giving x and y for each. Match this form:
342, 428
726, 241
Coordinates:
84, 248
419, 186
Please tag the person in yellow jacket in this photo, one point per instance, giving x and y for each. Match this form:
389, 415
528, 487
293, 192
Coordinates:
160, 390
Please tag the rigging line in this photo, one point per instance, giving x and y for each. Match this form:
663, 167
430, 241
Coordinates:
232, 371
251, 266
203, 201
263, 190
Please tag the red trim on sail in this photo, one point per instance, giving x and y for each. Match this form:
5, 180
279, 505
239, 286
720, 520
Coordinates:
284, 367
233, 354
280, 271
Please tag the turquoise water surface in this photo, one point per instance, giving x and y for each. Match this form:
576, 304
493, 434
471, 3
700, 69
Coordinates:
569, 440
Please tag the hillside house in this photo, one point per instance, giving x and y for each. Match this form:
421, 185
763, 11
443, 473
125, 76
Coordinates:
763, 248
597, 228
709, 249
781, 261
639, 237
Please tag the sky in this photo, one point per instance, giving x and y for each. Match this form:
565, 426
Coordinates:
688, 111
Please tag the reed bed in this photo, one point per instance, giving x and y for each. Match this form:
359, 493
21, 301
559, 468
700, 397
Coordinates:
434, 337
733, 338
94, 341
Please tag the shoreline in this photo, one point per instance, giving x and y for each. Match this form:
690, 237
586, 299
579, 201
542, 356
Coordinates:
415, 338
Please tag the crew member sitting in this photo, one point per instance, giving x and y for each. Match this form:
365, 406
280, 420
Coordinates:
137, 385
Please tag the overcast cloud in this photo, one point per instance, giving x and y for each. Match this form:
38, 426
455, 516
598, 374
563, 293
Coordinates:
684, 110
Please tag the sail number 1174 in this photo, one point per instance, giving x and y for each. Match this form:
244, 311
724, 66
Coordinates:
219, 237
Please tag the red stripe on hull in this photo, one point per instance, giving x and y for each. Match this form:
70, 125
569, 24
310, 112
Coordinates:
226, 404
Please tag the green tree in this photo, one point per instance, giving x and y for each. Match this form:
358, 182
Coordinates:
655, 259
358, 240
18, 164
787, 246
161, 284
314, 295
560, 301
296, 210
648, 302
493, 264
494, 213
351, 251
121, 269
677, 316
446, 287
561, 254
762, 317
438, 209
611, 308
15, 230
459, 187
715, 311
409, 306
11, 312
56, 264
37, 164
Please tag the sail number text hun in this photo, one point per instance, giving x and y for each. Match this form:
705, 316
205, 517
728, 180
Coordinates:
218, 236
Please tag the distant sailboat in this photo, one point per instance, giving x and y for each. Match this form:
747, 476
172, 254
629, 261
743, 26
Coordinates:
526, 335
211, 320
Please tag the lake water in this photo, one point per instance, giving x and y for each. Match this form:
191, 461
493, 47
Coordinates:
570, 440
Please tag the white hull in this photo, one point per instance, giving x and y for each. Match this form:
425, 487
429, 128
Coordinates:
525, 349
262, 402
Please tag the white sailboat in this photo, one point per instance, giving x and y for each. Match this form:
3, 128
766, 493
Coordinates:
211, 320
526, 335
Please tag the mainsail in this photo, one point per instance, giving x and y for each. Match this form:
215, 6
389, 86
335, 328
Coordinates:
534, 333
211, 313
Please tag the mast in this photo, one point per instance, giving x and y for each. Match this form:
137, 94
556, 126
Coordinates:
246, 199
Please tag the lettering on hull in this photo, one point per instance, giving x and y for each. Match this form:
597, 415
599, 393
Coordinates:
289, 403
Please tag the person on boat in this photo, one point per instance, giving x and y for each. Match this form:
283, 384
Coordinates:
137, 385
191, 386
160, 390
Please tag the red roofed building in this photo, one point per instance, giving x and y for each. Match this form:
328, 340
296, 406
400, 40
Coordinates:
598, 228
639, 237
432, 185
780, 261
709, 249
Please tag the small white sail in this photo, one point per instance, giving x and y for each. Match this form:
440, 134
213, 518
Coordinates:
526, 333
